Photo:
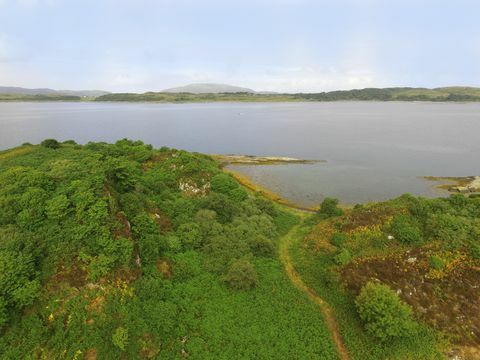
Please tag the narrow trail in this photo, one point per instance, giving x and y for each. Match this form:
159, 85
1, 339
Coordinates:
295, 278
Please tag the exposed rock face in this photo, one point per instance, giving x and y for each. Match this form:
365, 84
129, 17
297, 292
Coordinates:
191, 188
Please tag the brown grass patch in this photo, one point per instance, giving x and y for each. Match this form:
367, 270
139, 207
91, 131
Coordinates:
165, 268
73, 275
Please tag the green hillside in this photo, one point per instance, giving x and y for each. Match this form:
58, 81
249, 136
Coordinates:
126, 252
123, 251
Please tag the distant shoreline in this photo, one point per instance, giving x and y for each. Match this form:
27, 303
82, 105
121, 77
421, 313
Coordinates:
408, 94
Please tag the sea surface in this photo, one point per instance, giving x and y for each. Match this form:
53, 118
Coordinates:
374, 150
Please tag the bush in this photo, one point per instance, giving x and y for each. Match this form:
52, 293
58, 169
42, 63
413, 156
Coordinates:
405, 229
262, 246
338, 239
385, 315
241, 275
50, 143
70, 142
329, 208
475, 250
436, 262
343, 257
120, 338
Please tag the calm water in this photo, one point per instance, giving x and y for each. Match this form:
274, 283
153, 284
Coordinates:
374, 150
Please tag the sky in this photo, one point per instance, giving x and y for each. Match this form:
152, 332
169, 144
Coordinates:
267, 45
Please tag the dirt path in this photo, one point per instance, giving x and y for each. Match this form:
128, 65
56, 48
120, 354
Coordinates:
325, 308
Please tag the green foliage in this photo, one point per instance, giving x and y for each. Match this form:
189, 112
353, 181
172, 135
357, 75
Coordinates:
190, 235
50, 143
338, 239
436, 262
329, 208
100, 237
120, 338
343, 257
3, 312
368, 94
241, 275
57, 208
405, 229
475, 250
261, 245
384, 314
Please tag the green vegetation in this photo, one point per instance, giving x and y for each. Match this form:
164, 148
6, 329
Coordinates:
24, 97
463, 94
120, 250
329, 208
370, 94
395, 269
50, 143
384, 314
125, 251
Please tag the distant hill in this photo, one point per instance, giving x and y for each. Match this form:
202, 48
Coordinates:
209, 88
45, 91
446, 94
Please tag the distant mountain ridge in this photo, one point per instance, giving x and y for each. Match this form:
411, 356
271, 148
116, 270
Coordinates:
46, 91
209, 88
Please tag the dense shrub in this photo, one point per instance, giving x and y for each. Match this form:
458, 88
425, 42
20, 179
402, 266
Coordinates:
343, 257
384, 314
405, 229
329, 208
50, 143
338, 239
241, 275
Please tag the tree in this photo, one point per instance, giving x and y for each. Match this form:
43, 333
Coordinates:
329, 208
50, 143
405, 228
223, 183
385, 315
190, 236
241, 275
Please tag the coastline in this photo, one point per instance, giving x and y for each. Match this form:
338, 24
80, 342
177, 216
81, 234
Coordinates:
456, 184
249, 184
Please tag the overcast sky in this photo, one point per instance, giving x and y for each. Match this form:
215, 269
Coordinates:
276, 45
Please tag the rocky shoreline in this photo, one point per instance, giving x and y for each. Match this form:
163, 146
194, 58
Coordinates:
461, 184
233, 159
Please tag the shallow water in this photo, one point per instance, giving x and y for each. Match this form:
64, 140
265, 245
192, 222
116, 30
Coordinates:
374, 150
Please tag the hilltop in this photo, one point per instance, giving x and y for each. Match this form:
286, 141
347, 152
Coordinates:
11, 90
208, 88
445, 94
